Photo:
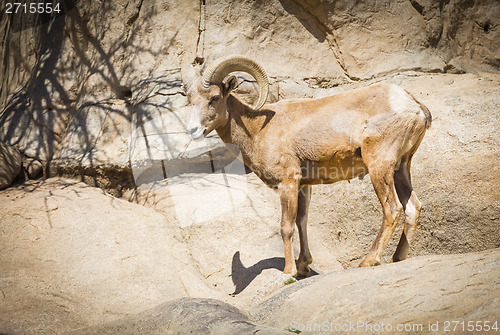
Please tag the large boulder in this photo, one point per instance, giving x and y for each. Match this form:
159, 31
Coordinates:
185, 316
409, 297
72, 256
10, 165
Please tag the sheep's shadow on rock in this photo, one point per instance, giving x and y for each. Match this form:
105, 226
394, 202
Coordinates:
242, 276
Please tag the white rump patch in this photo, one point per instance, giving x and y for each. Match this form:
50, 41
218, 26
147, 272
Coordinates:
401, 101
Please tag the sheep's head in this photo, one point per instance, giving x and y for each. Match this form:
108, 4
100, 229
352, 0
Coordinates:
208, 93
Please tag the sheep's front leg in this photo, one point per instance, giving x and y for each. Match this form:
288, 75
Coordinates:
305, 257
289, 197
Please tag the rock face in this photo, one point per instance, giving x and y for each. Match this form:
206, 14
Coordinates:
98, 70
33, 168
10, 165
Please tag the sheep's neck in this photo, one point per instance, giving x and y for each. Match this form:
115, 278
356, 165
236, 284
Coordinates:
243, 124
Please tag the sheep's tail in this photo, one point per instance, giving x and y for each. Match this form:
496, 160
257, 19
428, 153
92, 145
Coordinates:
427, 112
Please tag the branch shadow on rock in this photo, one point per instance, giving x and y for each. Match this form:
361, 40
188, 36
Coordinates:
72, 88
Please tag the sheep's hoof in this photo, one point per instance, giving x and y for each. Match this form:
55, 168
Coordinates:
303, 269
291, 272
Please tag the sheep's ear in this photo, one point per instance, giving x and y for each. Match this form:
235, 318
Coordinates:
230, 84
189, 73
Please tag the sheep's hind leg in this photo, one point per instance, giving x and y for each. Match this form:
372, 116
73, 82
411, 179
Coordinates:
305, 257
412, 208
383, 183
289, 199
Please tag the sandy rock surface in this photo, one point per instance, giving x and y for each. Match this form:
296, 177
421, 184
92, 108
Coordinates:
74, 259
73, 256
423, 290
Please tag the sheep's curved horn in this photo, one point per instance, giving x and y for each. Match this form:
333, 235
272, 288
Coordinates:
216, 73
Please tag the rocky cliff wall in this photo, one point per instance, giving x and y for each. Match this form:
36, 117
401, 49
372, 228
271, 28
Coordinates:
73, 84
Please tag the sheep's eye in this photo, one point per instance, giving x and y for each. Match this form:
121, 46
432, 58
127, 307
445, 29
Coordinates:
214, 98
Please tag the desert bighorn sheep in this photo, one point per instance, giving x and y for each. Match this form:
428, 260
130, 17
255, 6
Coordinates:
293, 144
